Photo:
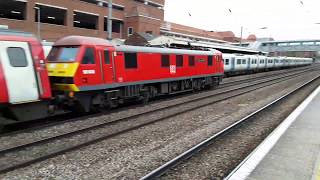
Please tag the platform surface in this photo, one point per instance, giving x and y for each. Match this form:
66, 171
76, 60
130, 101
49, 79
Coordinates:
294, 154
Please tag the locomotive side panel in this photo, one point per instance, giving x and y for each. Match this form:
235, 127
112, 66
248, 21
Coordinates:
137, 67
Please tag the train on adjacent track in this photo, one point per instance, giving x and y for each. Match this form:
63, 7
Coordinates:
238, 64
82, 74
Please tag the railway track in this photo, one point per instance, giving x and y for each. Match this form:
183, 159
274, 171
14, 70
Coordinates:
261, 76
51, 145
27, 127
211, 140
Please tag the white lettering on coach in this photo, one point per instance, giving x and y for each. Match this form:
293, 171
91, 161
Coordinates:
88, 71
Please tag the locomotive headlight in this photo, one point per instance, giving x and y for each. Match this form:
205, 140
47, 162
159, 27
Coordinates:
71, 94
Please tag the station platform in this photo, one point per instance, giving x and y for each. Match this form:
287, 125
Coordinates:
291, 152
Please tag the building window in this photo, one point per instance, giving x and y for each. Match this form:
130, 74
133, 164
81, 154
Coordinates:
106, 56
17, 57
210, 61
90, 1
116, 26
114, 6
88, 57
179, 60
105, 24
191, 61
165, 60
130, 60
117, 7
13, 9
130, 31
104, 4
50, 15
83, 20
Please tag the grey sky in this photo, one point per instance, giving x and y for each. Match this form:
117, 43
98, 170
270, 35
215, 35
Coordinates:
285, 19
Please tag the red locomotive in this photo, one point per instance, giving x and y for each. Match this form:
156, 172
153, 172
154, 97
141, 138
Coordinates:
88, 73
94, 73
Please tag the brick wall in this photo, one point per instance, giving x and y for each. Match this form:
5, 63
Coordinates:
140, 21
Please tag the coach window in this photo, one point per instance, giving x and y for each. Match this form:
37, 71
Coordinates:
165, 60
13, 9
179, 60
227, 61
210, 61
50, 15
244, 61
238, 61
130, 60
106, 56
84, 20
191, 61
88, 57
17, 57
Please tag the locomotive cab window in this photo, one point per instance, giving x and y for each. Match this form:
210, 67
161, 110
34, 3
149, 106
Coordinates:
130, 60
17, 57
210, 61
106, 57
191, 61
179, 60
63, 54
165, 60
88, 57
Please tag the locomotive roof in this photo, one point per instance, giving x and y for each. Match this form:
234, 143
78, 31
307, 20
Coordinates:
82, 40
164, 50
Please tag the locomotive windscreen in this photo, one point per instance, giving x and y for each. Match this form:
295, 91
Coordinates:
63, 54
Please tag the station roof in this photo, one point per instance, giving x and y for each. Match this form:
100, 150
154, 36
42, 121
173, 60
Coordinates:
223, 47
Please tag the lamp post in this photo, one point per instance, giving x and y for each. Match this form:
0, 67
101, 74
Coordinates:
269, 39
110, 20
39, 28
241, 36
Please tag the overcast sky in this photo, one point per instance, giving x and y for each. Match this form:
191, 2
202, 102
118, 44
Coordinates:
285, 19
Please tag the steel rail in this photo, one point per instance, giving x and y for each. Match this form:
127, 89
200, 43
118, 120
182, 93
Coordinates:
44, 141
199, 147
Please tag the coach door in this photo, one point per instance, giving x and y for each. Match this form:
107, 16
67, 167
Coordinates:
19, 72
233, 61
108, 70
249, 63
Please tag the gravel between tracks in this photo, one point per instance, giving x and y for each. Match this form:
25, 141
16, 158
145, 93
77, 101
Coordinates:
134, 154
220, 158
13, 140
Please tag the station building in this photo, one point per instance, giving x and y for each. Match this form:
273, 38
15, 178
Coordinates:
82, 17
60, 18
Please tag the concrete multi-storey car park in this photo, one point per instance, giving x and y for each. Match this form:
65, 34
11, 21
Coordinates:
82, 17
